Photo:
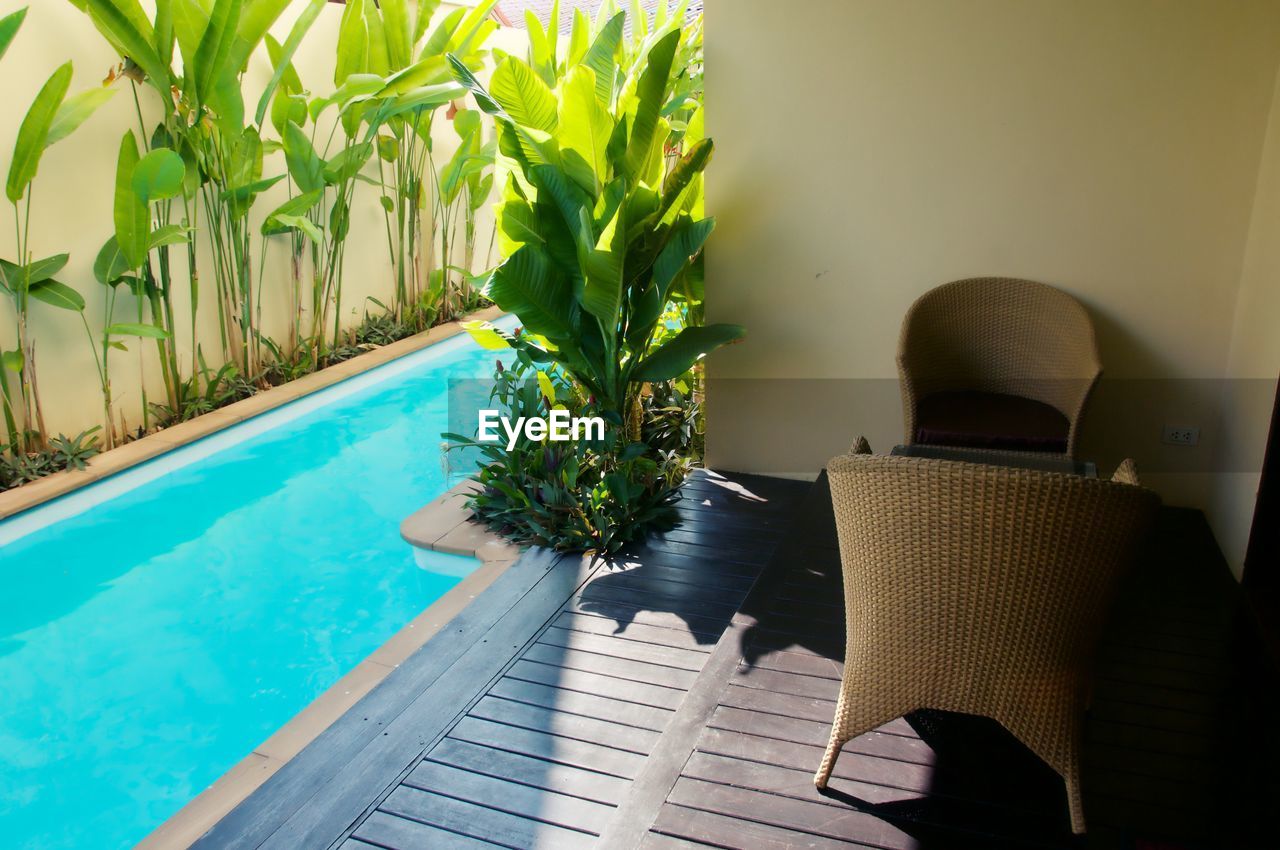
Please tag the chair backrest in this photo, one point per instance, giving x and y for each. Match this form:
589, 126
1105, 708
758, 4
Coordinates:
1000, 335
975, 574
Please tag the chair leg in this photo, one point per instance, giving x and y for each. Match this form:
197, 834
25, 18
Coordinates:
1075, 803
828, 761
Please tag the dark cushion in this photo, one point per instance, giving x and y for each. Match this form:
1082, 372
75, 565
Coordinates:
990, 421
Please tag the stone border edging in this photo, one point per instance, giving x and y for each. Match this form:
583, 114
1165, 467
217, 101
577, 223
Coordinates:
145, 448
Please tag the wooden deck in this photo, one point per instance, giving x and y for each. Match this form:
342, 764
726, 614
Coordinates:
682, 699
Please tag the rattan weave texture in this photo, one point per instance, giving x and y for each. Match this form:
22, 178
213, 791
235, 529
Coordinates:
979, 589
999, 335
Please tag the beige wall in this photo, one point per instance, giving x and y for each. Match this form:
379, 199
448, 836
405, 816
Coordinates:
1248, 392
72, 211
869, 150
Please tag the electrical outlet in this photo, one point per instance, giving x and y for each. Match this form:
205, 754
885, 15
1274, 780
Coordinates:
1180, 435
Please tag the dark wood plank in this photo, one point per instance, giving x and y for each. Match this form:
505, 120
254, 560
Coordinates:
587, 705
590, 729
664, 656
553, 748
799, 816
621, 668
681, 638
516, 798
732, 832
385, 830
498, 827
527, 770
594, 683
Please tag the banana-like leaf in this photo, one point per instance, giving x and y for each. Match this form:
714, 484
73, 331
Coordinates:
282, 59
251, 26
33, 135
138, 329
376, 59
487, 336
523, 95
684, 245
650, 92
395, 29
158, 176
682, 177
529, 285
584, 127
14, 361
75, 110
110, 265
677, 356
169, 234
213, 54
305, 166
130, 215
347, 163
442, 35
57, 295
601, 57
353, 43
579, 37
422, 18
44, 269
295, 206
9, 25
302, 224
125, 25
602, 294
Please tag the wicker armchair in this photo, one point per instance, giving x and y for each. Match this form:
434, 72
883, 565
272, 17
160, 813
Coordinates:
997, 363
977, 589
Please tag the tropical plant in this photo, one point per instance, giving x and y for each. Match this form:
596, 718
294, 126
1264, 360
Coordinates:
597, 232
577, 495
52, 117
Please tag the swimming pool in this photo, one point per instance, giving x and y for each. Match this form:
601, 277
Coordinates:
157, 626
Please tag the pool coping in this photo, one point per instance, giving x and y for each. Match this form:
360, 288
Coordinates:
457, 535
138, 451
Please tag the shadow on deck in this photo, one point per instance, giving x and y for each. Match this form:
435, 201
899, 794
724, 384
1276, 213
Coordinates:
682, 696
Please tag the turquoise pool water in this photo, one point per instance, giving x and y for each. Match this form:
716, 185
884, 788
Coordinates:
158, 626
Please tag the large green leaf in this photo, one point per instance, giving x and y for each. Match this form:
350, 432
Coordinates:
305, 166
681, 178
523, 95
584, 127
111, 263
529, 285
33, 135
282, 59
602, 294
126, 26
601, 57
129, 213
284, 221
676, 356
422, 18
396, 31
212, 64
158, 176
75, 110
9, 25
296, 206
169, 234
139, 329
43, 269
353, 43
650, 92
58, 295
252, 25
684, 245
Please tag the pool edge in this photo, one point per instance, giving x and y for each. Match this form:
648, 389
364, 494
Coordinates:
203, 811
36, 493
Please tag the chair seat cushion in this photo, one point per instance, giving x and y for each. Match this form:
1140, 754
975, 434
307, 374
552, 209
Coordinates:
990, 421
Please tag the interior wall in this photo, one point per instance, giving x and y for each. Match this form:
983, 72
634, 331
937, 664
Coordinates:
869, 150
73, 203
1249, 388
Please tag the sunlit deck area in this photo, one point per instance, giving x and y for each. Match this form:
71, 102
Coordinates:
682, 698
